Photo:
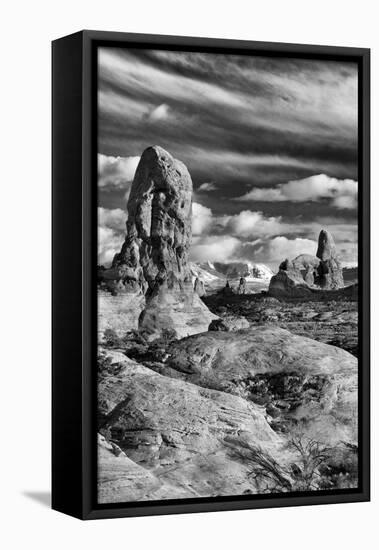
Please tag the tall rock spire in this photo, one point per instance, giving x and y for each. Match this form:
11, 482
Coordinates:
153, 260
329, 270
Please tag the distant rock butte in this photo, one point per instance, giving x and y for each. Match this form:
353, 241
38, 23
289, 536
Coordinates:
199, 287
299, 276
288, 281
153, 261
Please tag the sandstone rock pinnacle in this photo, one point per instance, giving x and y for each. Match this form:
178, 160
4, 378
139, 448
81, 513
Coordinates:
330, 276
326, 246
159, 221
153, 260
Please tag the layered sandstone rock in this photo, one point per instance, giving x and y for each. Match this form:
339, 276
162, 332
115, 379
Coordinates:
153, 261
307, 264
306, 387
122, 480
223, 406
161, 433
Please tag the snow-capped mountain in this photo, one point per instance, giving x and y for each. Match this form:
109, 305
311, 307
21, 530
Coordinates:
212, 273
259, 272
205, 272
251, 271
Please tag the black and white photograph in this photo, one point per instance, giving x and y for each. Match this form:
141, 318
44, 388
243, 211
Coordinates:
227, 279
188, 236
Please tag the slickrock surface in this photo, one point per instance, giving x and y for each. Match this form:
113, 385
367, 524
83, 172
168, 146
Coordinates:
122, 480
328, 316
178, 433
299, 381
120, 312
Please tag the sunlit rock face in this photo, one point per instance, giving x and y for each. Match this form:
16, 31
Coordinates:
153, 261
159, 221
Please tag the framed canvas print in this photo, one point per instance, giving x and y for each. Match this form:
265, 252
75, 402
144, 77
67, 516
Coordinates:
210, 274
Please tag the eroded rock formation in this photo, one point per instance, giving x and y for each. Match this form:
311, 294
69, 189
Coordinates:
298, 276
242, 289
288, 281
176, 438
199, 287
300, 382
153, 261
330, 276
220, 403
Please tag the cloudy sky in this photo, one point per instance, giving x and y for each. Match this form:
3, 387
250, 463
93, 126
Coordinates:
270, 143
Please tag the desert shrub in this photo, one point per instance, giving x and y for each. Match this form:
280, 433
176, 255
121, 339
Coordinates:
111, 339
341, 470
312, 455
103, 363
168, 335
309, 470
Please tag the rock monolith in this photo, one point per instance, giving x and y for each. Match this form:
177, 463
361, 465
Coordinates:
153, 261
330, 276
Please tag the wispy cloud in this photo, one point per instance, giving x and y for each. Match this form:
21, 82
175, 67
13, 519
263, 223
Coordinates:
110, 234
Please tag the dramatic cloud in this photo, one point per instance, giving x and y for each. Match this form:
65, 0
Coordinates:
201, 218
213, 248
116, 172
279, 248
343, 193
271, 145
111, 233
252, 224
114, 219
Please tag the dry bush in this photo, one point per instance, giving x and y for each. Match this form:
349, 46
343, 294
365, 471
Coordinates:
303, 474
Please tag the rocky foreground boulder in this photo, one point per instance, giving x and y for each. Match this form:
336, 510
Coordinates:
122, 480
228, 413
304, 385
153, 261
160, 433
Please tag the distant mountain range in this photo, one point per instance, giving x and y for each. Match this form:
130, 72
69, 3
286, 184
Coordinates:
216, 274
210, 272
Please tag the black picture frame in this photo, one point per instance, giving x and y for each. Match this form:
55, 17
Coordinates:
74, 201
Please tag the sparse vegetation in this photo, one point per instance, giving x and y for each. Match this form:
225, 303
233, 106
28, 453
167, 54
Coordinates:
315, 466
